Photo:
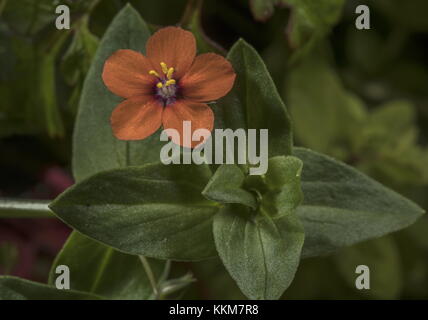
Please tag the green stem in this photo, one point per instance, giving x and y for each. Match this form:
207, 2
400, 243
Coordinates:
151, 276
2, 6
20, 208
191, 7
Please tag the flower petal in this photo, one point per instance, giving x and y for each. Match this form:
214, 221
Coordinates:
199, 114
126, 73
136, 118
210, 77
175, 47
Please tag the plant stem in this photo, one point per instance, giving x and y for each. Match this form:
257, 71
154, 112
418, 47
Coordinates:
151, 276
191, 7
2, 6
20, 208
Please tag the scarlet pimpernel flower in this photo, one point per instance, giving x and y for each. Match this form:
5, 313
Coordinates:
165, 87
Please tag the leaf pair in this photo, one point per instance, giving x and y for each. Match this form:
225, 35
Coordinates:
257, 235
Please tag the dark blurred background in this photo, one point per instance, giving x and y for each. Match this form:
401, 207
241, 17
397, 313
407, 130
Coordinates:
358, 95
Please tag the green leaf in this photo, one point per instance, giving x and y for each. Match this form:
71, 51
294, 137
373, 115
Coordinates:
343, 206
29, 17
278, 190
95, 148
154, 210
117, 276
47, 90
386, 124
284, 193
311, 20
383, 259
203, 42
77, 59
225, 186
254, 102
43, 108
261, 254
325, 115
262, 9
388, 145
13, 288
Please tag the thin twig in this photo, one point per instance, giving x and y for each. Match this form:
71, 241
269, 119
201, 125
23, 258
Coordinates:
150, 275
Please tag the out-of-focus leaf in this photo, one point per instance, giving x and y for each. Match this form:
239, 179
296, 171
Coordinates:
28, 16
203, 42
404, 14
263, 9
326, 117
418, 232
311, 20
161, 12
119, 276
12, 288
77, 59
387, 146
383, 260
29, 101
366, 50
46, 83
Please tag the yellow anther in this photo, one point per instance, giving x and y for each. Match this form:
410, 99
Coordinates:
170, 72
164, 67
154, 73
159, 85
169, 82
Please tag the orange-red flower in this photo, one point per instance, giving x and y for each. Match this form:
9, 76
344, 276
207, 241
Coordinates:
167, 86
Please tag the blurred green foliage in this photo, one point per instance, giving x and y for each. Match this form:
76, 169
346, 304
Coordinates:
357, 95
8, 257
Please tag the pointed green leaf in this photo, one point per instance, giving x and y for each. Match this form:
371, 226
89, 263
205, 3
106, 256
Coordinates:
225, 186
154, 210
282, 179
117, 276
261, 254
94, 146
342, 206
278, 190
13, 288
254, 102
